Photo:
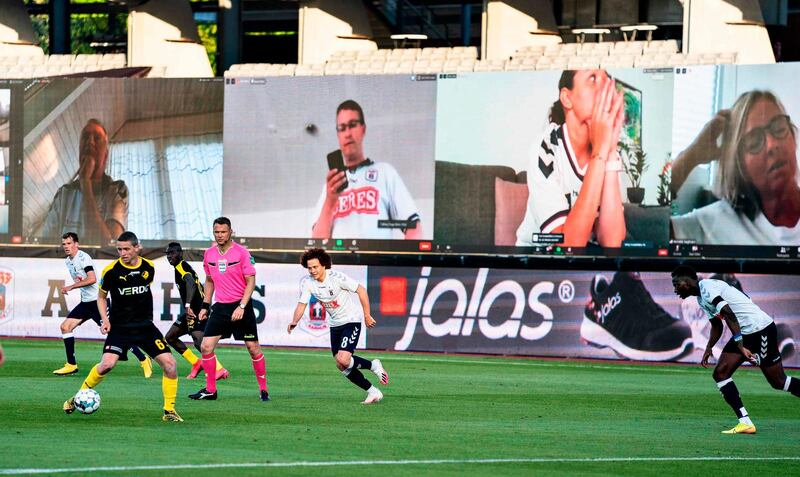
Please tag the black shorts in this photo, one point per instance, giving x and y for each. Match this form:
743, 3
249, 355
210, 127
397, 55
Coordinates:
763, 344
219, 322
345, 337
86, 310
189, 325
149, 339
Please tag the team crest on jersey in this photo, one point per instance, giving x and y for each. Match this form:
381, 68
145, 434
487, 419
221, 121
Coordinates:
372, 175
6, 294
316, 324
145, 274
222, 265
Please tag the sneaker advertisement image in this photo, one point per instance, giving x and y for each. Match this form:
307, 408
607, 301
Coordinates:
575, 314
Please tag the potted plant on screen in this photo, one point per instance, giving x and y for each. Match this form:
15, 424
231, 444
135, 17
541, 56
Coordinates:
664, 194
635, 164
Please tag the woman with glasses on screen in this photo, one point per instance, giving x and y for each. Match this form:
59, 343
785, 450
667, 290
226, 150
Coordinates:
573, 173
756, 180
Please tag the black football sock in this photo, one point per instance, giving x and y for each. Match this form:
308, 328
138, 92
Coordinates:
355, 377
69, 346
362, 363
731, 394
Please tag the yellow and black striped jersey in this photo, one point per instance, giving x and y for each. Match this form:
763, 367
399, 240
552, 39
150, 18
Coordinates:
129, 290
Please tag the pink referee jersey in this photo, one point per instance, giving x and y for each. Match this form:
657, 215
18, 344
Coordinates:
228, 271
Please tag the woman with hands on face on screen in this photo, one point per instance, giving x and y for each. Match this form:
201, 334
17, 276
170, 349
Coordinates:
573, 173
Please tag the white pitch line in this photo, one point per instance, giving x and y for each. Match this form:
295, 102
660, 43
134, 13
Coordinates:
532, 460
510, 362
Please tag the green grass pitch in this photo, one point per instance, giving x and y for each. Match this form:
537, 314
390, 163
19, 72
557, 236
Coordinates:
441, 415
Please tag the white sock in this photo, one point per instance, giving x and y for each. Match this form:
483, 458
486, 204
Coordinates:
746, 420
372, 390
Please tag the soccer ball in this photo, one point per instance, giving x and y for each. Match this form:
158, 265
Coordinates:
87, 401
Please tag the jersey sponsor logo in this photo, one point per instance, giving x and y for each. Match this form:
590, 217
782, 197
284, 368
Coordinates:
363, 200
372, 175
132, 290
450, 296
331, 304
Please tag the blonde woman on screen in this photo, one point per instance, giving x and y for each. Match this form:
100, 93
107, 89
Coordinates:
756, 181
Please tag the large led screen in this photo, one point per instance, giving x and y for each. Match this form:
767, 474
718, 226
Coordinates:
523, 160
339, 157
106, 155
736, 171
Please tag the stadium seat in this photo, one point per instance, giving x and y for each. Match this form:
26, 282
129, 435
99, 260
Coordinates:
663, 46
594, 49
628, 47
92, 60
463, 52
9, 61
310, 70
59, 59
116, 60
489, 65
617, 61
434, 53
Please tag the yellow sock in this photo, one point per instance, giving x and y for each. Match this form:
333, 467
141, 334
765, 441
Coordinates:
190, 357
93, 379
169, 386
219, 365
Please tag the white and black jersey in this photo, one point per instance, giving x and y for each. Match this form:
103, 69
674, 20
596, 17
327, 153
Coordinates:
554, 182
335, 293
80, 266
714, 294
374, 192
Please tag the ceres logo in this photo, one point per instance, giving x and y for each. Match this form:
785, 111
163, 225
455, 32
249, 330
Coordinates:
470, 307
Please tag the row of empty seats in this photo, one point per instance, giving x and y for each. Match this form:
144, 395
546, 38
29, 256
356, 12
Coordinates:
56, 65
621, 61
108, 60
405, 54
618, 48
428, 66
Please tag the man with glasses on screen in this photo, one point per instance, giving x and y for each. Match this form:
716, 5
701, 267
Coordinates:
93, 205
358, 193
